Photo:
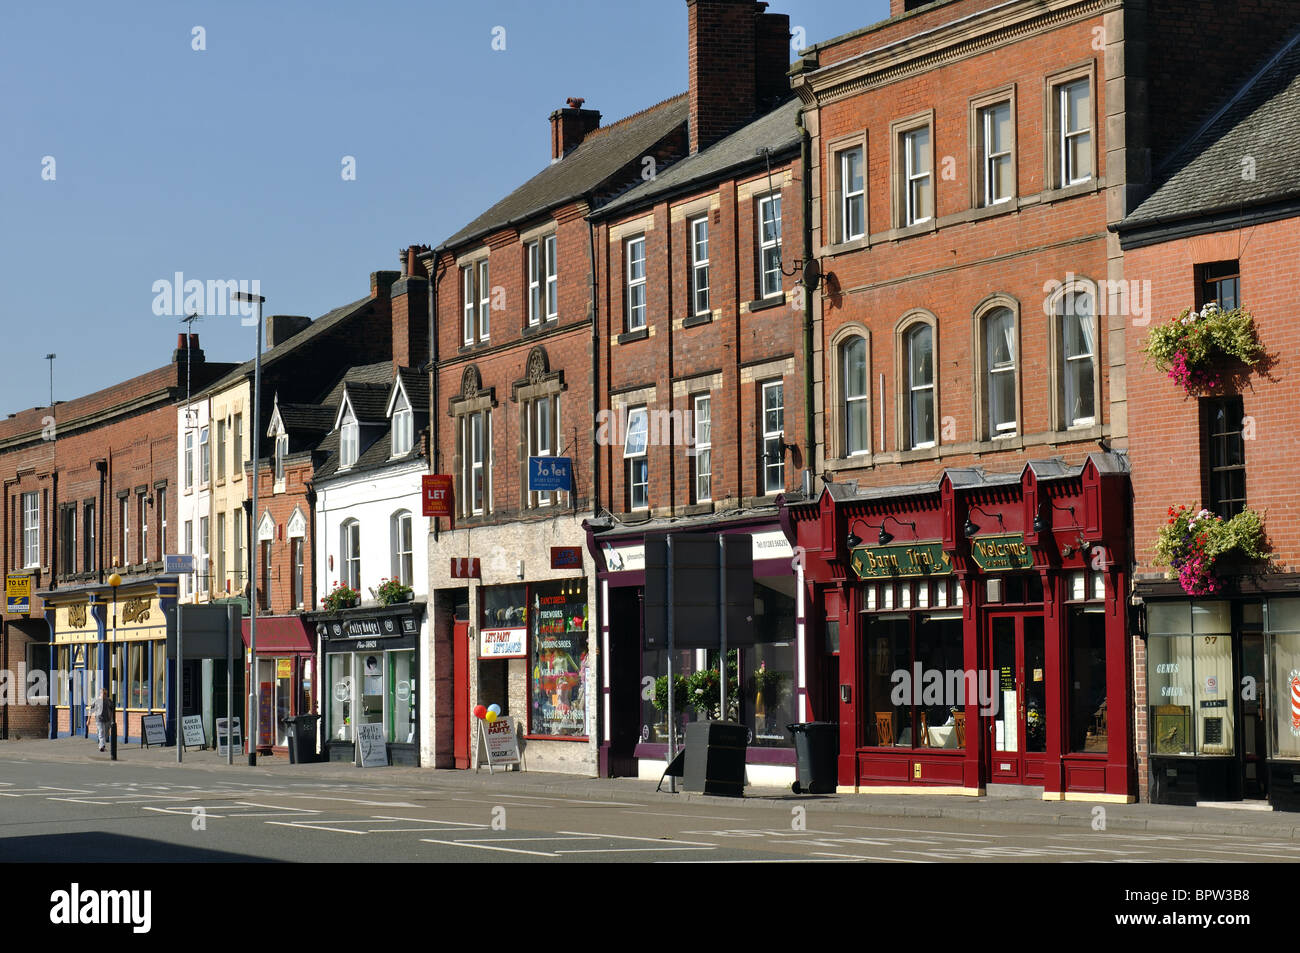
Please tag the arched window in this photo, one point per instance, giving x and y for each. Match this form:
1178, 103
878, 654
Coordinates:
1076, 335
918, 357
855, 390
999, 342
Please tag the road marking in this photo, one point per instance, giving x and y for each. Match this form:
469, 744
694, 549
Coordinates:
887, 860
508, 850
628, 850
913, 830
686, 817
568, 800
351, 800
318, 827
652, 840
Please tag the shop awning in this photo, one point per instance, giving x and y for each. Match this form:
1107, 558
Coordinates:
281, 633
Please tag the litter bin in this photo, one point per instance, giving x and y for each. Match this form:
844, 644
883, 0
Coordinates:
816, 745
715, 758
301, 731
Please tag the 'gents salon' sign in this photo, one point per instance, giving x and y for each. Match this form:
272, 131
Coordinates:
911, 559
1001, 553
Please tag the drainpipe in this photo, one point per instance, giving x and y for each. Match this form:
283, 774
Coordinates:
595, 359
102, 467
805, 158
433, 374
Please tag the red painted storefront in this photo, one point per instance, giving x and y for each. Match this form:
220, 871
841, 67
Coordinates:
1011, 587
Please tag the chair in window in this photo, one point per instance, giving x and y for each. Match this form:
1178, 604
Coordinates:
885, 728
925, 730
959, 727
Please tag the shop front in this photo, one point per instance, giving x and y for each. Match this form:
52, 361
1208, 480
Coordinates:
114, 639
1223, 695
973, 632
371, 658
285, 677
764, 690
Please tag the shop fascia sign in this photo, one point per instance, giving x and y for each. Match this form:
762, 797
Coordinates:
1004, 553
904, 560
381, 627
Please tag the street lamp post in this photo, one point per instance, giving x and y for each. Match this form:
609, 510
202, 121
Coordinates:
114, 580
255, 422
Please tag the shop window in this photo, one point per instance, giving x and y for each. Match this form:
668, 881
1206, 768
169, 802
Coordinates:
557, 665
1189, 678
341, 689
1089, 710
1282, 638
137, 686
903, 714
159, 673
402, 707
1223, 455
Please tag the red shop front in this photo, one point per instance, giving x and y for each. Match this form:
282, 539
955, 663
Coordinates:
286, 670
973, 632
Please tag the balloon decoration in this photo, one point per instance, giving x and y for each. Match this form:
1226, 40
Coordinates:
495, 709
479, 711
490, 717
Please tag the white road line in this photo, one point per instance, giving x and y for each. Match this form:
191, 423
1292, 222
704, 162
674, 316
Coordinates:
318, 827
887, 860
428, 820
687, 817
629, 850
350, 800
508, 850
567, 800
652, 840
913, 830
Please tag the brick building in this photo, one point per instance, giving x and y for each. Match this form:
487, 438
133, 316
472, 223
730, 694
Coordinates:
89, 493
702, 383
968, 160
1216, 668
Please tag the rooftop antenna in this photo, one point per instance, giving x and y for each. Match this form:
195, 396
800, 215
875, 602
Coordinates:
50, 358
189, 403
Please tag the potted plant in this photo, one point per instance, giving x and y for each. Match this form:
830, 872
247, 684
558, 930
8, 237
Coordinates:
767, 688
1193, 541
341, 597
660, 701
392, 591
1193, 347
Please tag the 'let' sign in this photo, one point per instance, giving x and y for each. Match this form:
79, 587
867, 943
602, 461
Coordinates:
436, 494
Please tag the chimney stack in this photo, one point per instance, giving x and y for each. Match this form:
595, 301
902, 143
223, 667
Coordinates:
569, 126
738, 58
187, 348
410, 298
281, 327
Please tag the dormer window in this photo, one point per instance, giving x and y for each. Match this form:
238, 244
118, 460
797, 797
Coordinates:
281, 451
403, 425
349, 441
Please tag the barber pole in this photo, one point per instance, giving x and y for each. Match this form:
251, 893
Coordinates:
1295, 702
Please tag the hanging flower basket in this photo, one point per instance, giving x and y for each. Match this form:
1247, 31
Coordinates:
392, 591
1193, 541
1194, 347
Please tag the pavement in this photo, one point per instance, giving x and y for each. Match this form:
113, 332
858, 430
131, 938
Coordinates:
1155, 818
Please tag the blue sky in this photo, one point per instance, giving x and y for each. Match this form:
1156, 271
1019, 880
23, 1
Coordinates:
226, 162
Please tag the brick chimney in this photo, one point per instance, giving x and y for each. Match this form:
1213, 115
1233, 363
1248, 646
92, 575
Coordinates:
738, 58
281, 327
410, 298
381, 281
569, 126
187, 348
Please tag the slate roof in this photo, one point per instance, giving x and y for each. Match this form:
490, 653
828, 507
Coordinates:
369, 401
582, 171
1206, 175
775, 130
369, 386
312, 418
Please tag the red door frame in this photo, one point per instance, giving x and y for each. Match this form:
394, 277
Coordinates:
1026, 767
460, 683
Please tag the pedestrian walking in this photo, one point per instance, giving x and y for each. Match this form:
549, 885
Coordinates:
101, 709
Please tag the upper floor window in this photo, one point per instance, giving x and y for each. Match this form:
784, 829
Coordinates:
205, 457
543, 281
918, 354
350, 554
703, 417
1078, 359
142, 509
638, 465
1073, 125
476, 441
1223, 455
297, 594
773, 410
403, 548
634, 253
476, 298
238, 440
349, 440
917, 182
853, 195
68, 539
1000, 370
160, 507
124, 531
997, 154
89, 554
1219, 283
221, 449
543, 436
31, 529
281, 451
403, 426
189, 459
769, 245
222, 584
857, 426
700, 266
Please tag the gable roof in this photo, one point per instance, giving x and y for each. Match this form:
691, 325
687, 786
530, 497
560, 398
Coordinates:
1247, 154
601, 154
775, 131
